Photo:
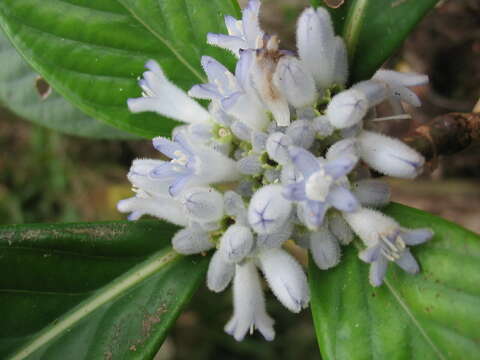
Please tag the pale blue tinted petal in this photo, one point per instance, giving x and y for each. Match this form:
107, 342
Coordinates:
315, 212
342, 199
166, 146
370, 254
178, 185
408, 263
295, 192
205, 91
303, 160
167, 171
340, 166
416, 236
378, 269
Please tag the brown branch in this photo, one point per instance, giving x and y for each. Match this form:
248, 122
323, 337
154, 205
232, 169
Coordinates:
445, 134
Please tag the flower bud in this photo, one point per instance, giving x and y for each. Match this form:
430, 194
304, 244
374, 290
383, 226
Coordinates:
325, 248
220, 273
269, 210
250, 165
370, 192
340, 62
236, 243
233, 204
286, 278
202, 204
277, 147
389, 156
276, 239
347, 108
295, 82
191, 240
322, 126
302, 133
316, 45
375, 91
248, 305
241, 131
340, 228
259, 141
342, 148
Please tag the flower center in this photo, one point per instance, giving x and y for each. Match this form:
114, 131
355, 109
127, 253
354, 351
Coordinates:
318, 185
180, 158
392, 246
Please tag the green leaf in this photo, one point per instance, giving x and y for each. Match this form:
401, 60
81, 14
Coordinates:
374, 29
432, 315
100, 290
18, 92
92, 52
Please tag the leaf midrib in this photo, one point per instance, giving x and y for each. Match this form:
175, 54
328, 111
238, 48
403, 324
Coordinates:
112, 291
403, 305
412, 318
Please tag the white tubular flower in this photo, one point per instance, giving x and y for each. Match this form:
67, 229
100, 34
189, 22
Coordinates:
340, 62
262, 74
385, 241
325, 248
370, 192
220, 273
302, 133
322, 126
162, 207
345, 147
250, 165
139, 176
162, 96
234, 206
295, 82
398, 84
286, 278
202, 204
191, 240
152, 196
259, 141
275, 240
277, 147
248, 305
221, 82
389, 156
347, 108
236, 243
268, 210
317, 45
242, 34
375, 91
340, 228
323, 185
241, 131
191, 164
245, 104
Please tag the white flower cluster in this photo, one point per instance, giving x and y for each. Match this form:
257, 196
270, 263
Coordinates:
281, 154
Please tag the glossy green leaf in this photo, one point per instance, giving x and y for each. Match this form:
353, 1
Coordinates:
374, 29
432, 315
92, 291
20, 93
92, 52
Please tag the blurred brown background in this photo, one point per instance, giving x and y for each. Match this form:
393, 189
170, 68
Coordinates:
49, 177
